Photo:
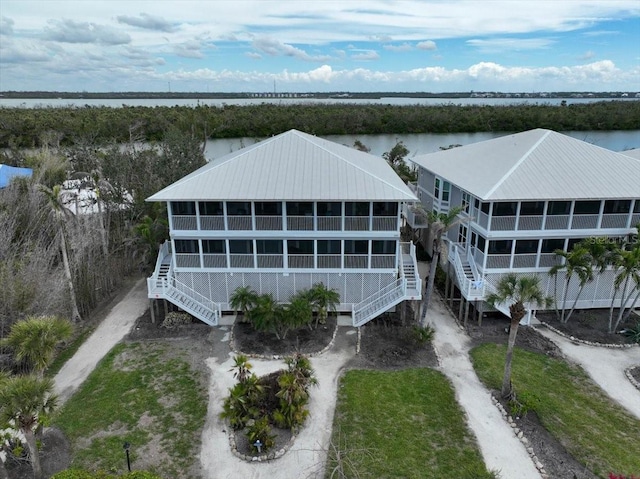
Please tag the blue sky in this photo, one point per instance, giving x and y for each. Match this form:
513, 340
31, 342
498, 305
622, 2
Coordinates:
320, 45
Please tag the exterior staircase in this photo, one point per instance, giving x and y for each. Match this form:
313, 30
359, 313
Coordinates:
406, 287
163, 285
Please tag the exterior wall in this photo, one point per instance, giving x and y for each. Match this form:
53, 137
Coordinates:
219, 286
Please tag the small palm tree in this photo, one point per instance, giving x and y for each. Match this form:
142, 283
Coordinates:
35, 339
324, 300
61, 213
519, 291
629, 279
26, 402
439, 224
577, 262
243, 299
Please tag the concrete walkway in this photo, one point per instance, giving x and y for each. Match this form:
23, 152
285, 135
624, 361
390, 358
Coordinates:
606, 367
112, 329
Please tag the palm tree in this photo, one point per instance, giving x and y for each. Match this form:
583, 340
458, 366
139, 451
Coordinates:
25, 402
324, 300
577, 261
61, 213
439, 223
35, 339
519, 291
243, 299
629, 271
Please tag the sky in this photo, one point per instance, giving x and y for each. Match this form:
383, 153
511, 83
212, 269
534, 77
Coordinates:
320, 45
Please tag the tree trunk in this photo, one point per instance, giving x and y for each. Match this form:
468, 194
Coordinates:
506, 379
103, 231
566, 320
564, 298
613, 300
623, 301
633, 305
30, 438
75, 314
430, 282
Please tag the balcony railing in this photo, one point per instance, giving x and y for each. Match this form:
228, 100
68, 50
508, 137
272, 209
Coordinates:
356, 223
241, 260
548, 260
239, 222
533, 222
614, 221
583, 222
557, 222
211, 222
329, 261
300, 223
269, 223
355, 261
383, 261
498, 261
188, 260
329, 223
300, 261
503, 223
270, 261
184, 222
525, 260
385, 223
214, 260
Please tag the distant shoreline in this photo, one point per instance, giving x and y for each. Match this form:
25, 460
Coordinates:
307, 95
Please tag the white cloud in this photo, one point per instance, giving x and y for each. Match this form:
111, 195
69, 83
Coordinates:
253, 55
426, 45
149, 22
70, 31
273, 47
405, 47
588, 55
497, 45
367, 55
6, 26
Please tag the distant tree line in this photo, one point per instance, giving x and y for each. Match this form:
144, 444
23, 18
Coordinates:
21, 127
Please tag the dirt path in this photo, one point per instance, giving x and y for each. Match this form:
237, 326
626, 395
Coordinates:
606, 367
307, 456
112, 329
501, 449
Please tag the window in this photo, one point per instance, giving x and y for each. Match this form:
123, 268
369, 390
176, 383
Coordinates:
587, 208
436, 189
240, 246
573, 242
484, 207
505, 208
386, 208
329, 247
466, 201
556, 208
481, 243
300, 246
462, 234
356, 247
269, 246
446, 190
552, 244
531, 208
500, 247
617, 206
213, 247
383, 247
526, 246
183, 208
187, 246
210, 208
356, 208
297, 208
239, 208
268, 208
636, 207
333, 208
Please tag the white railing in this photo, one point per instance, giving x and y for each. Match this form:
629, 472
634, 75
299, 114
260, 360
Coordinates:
355, 260
527, 260
184, 222
556, 222
483, 219
498, 261
329, 261
503, 223
241, 260
548, 260
214, 260
165, 249
300, 261
329, 223
416, 220
472, 263
300, 223
385, 223
582, 222
269, 223
187, 260
614, 221
270, 260
212, 222
356, 223
385, 261
378, 302
533, 222
470, 289
239, 223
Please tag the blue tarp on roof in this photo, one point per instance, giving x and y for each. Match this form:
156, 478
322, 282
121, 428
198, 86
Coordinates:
8, 172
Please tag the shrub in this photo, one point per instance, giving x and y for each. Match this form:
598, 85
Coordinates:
260, 430
175, 319
422, 335
633, 333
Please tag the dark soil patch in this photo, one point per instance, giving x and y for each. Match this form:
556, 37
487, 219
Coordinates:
145, 329
635, 373
591, 325
388, 343
303, 340
55, 456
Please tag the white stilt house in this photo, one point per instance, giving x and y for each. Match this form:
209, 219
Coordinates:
525, 196
280, 216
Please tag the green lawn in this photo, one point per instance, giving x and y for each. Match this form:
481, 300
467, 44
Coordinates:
597, 432
144, 394
402, 424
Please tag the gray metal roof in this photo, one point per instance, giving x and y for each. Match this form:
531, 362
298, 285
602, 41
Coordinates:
535, 165
292, 166
635, 153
